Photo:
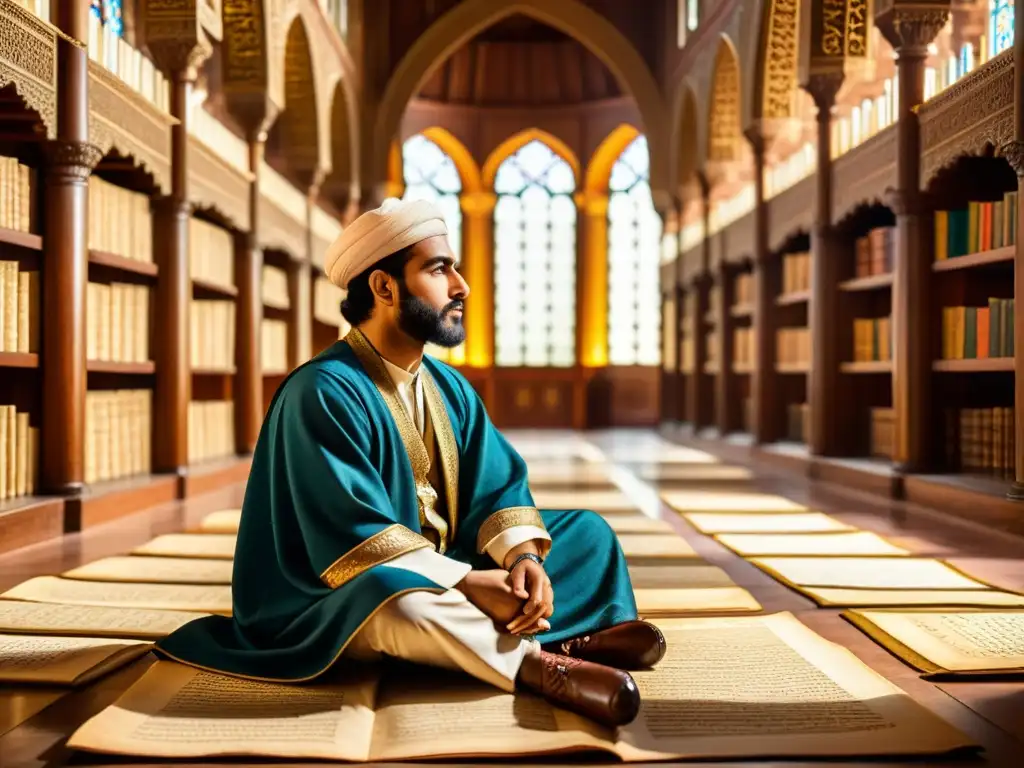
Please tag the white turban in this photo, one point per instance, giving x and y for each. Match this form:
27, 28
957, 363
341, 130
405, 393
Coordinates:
379, 233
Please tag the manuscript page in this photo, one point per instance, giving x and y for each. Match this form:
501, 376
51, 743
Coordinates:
180, 597
177, 711
554, 474
768, 686
159, 570
673, 602
725, 501
682, 473
215, 545
678, 577
63, 660
431, 713
221, 521
809, 522
958, 642
97, 621
867, 572
639, 523
877, 598
655, 545
767, 544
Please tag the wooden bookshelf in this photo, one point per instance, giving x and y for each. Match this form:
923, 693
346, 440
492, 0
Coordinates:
793, 298
134, 369
207, 289
985, 365
123, 263
868, 283
742, 310
19, 360
867, 366
21, 239
1001, 256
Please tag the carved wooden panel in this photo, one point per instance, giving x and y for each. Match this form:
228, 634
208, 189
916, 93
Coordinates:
28, 59
216, 184
973, 113
536, 398
280, 231
626, 396
864, 173
121, 119
790, 211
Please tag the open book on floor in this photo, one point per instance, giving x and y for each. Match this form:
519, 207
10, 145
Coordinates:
946, 644
63, 660
734, 688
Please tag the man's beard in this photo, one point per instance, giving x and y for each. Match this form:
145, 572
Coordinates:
428, 325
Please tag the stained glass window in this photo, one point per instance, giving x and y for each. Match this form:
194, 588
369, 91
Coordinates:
96, 9
1000, 28
430, 174
634, 237
112, 16
535, 259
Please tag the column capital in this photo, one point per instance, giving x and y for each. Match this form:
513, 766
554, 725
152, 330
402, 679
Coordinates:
823, 88
75, 159
1013, 151
478, 203
911, 26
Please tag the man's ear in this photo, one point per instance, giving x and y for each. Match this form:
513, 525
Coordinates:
381, 285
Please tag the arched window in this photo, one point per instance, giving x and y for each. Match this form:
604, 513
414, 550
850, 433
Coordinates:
1000, 27
112, 16
430, 174
535, 259
634, 235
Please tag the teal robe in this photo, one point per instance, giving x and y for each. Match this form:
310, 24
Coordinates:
332, 498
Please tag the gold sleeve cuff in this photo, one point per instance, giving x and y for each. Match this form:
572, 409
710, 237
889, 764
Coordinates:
504, 519
386, 545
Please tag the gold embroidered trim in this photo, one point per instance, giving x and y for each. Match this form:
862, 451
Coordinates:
504, 519
386, 545
447, 448
411, 438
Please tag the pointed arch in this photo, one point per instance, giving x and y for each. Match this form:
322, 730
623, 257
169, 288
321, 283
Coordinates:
773, 81
514, 143
687, 137
572, 17
599, 169
340, 182
724, 130
465, 163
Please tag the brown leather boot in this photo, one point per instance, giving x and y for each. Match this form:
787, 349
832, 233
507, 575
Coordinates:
605, 695
630, 645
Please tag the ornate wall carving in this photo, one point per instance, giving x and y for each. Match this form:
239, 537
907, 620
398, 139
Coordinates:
28, 60
121, 119
724, 118
975, 112
780, 59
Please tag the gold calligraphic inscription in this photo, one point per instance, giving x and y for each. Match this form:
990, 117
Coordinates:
244, 44
833, 27
385, 545
781, 59
857, 28
299, 120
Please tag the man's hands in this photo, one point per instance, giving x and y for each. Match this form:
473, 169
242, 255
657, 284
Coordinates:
491, 592
531, 583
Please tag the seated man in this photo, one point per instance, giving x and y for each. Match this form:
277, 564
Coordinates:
386, 516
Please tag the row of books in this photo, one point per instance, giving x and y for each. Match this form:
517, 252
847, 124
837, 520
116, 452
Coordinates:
212, 337
872, 339
19, 463
327, 298
981, 440
275, 287
875, 252
274, 348
883, 433
19, 309
211, 430
120, 221
743, 348
796, 272
17, 201
798, 423
117, 322
982, 225
118, 433
793, 346
970, 333
743, 289
211, 253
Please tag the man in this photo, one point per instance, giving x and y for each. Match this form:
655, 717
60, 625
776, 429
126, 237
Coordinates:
385, 516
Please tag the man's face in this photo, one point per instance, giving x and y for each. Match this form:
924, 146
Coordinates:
431, 301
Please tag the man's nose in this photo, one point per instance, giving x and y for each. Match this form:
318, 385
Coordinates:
461, 287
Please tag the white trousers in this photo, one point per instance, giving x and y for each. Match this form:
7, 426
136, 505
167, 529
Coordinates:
442, 630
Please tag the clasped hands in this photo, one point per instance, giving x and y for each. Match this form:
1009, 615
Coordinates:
520, 601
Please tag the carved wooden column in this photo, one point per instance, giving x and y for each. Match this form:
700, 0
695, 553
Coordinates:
592, 272
700, 287
1014, 152
766, 426
910, 30
681, 378
478, 270
725, 404
69, 161
822, 312
248, 390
